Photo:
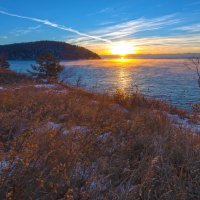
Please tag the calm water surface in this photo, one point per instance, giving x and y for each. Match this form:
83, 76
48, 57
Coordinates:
166, 79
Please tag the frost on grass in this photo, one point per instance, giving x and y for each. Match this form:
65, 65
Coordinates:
180, 122
64, 131
52, 88
184, 123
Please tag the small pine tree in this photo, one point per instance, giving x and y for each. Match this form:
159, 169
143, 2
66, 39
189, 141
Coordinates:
47, 66
4, 63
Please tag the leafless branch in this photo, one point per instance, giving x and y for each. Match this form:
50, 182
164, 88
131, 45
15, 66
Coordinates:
195, 65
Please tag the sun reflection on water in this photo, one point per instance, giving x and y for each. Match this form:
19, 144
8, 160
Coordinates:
123, 75
126, 62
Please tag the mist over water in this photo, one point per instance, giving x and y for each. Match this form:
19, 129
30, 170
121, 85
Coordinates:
166, 79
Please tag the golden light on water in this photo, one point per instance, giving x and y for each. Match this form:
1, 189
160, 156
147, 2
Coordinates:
123, 78
123, 49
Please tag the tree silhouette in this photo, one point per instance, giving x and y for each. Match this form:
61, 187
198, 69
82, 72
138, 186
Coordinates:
4, 63
47, 66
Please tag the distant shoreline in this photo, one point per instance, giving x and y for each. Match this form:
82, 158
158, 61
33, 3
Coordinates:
107, 58
154, 56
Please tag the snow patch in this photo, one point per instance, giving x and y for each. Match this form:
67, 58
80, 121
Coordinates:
184, 123
181, 122
62, 91
65, 132
95, 102
119, 108
49, 86
52, 125
103, 137
44, 80
4, 164
60, 127
80, 129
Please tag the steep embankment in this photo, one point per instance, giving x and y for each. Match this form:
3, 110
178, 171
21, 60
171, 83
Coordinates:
59, 142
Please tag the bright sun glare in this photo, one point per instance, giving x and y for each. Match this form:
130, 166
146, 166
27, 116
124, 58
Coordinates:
122, 49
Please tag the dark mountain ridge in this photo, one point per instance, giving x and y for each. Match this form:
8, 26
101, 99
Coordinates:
30, 50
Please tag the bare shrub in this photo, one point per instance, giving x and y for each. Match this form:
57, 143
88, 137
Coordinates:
195, 65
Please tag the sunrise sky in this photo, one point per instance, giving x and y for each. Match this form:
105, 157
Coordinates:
105, 26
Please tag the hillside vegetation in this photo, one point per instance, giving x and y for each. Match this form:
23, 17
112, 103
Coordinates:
30, 51
59, 142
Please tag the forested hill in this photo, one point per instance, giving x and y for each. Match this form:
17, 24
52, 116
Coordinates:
30, 50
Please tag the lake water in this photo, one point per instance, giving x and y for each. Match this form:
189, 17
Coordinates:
166, 79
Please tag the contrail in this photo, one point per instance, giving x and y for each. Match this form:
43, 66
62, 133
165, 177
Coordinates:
58, 26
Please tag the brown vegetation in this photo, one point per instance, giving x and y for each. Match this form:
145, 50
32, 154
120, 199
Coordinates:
4, 63
8, 77
66, 143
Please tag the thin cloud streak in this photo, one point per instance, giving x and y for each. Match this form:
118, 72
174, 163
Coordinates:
19, 32
192, 28
129, 28
181, 40
4, 37
55, 25
194, 3
106, 10
134, 26
181, 43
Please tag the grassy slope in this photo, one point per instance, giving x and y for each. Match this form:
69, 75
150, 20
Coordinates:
96, 147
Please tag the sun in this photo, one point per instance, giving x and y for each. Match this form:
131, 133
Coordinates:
123, 49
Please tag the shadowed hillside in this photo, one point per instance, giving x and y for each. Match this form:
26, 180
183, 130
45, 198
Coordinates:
30, 50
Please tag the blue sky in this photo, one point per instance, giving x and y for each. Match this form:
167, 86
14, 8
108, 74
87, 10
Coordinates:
152, 26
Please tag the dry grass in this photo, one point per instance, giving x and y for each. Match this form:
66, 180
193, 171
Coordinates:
9, 78
99, 150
